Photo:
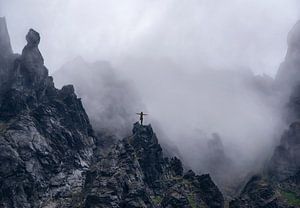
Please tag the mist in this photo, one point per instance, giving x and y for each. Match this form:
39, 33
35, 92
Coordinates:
109, 99
203, 70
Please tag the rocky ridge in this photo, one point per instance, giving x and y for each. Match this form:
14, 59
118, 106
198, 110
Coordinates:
278, 185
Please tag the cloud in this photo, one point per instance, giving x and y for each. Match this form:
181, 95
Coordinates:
214, 33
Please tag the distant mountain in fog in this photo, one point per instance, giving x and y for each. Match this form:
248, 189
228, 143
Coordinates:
110, 101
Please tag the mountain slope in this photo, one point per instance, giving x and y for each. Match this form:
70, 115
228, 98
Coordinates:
279, 184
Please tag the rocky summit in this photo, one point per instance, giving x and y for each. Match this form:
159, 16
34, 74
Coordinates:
50, 156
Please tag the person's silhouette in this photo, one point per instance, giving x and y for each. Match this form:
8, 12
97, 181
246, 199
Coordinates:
141, 114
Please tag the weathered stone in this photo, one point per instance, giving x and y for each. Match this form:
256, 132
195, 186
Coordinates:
46, 139
33, 38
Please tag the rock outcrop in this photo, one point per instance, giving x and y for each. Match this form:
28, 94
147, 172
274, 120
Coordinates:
285, 161
46, 140
279, 186
136, 174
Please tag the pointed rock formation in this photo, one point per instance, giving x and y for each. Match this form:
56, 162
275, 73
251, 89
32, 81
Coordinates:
46, 140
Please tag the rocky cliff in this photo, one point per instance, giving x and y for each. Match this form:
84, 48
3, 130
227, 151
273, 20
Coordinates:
46, 140
51, 158
279, 185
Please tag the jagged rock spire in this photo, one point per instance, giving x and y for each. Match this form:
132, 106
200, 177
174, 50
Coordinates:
5, 46
33, 38
32, 61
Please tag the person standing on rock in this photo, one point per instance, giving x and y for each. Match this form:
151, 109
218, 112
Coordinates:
141, 114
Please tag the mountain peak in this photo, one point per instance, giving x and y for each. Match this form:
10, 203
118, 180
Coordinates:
33, 38
32, 61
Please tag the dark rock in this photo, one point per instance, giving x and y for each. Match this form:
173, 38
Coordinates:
257, 193
33, 38
209, 191
285, 161
117, 180
148, 152
124, 177
189, 175
279, 185
46, 140
32, 62
175, 198
176, 166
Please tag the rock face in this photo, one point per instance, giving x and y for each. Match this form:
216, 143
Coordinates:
46, 140
32, 60
279, 185
135, 174
286, 158
49, 156
288, 73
